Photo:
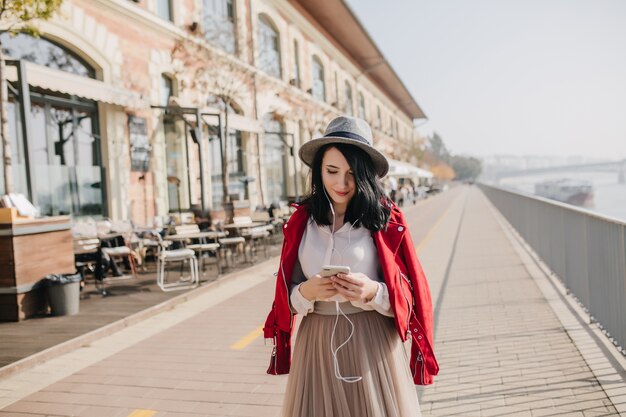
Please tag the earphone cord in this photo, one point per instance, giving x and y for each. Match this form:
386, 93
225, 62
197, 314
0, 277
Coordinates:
349, 379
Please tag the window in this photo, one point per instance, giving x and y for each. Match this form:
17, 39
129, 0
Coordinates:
379, 121
296, 66
274, 160
44, 52
347, 106
64, 147
166, 89
361, 106
319, 87
164, 9
235, 160
269, 47
218, 19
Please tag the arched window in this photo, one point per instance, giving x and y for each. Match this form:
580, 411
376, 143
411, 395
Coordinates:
218, 19
269, 47
64, 138
347, 106
361, 106
45, 52
167, 89
319, 86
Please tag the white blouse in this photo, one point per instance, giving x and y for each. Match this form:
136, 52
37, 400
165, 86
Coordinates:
348, 246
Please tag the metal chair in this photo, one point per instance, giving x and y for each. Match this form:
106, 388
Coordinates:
256, 236
176, 255
202, 247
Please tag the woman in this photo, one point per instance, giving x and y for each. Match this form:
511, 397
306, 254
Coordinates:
349, 358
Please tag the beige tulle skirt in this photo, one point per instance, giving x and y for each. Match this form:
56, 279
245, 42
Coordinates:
375, 353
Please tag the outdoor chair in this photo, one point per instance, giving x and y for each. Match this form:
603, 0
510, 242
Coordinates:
203, 247
87, 257
255, 237
88, 252
118, 244
176, 255
148, 245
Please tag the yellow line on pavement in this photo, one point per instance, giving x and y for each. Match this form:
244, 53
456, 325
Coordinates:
142, 413
431, 232
249, 338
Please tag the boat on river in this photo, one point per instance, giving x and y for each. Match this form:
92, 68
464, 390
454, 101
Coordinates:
575, 192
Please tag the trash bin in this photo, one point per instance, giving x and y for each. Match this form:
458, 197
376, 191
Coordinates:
63, 293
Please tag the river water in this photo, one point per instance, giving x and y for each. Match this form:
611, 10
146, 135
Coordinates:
609, 195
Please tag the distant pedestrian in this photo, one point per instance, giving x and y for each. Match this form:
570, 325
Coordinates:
349, 358
393, 188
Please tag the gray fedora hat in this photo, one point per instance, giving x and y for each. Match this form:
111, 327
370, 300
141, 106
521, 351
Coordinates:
350, 130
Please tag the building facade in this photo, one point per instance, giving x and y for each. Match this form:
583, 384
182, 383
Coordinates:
125, 109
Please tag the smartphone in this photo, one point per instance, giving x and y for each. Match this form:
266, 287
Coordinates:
330, 270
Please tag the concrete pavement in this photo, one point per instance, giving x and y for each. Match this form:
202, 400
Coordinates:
502, 348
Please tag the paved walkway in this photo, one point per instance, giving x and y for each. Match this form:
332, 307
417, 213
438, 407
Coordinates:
502, 349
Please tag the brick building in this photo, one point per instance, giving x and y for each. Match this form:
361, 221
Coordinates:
129, 102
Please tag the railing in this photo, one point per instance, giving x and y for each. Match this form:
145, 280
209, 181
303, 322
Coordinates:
586, 251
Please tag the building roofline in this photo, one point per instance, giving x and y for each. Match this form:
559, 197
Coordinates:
340, 22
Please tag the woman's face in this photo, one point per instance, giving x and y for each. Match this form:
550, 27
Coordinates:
337, 177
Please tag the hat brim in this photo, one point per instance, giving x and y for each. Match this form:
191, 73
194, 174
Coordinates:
309, 149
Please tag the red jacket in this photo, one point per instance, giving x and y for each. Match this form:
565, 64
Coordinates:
409, 295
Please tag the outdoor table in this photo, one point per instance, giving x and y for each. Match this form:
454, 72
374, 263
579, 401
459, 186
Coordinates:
212, 234
239, 226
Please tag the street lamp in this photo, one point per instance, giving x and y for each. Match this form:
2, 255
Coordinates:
293, 155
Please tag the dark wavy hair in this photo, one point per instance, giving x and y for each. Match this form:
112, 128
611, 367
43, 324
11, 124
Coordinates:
367, 207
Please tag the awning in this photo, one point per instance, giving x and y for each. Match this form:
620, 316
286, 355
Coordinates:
72, 84
403, 169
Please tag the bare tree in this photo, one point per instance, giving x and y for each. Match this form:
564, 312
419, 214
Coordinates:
15, 17
214, 75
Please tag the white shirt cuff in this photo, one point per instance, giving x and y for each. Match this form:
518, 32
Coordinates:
300, 304
380, 302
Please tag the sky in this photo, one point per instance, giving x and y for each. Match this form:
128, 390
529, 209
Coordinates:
517, 77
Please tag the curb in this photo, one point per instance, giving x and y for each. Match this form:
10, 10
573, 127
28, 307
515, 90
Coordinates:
111, 328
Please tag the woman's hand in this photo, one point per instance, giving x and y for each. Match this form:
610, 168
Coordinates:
317, 288
355, 286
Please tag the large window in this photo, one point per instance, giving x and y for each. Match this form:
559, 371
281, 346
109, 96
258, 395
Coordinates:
177, 163
63, 150
218, 19
347, 105
269, 47
319, 86
235, 161
274, 160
